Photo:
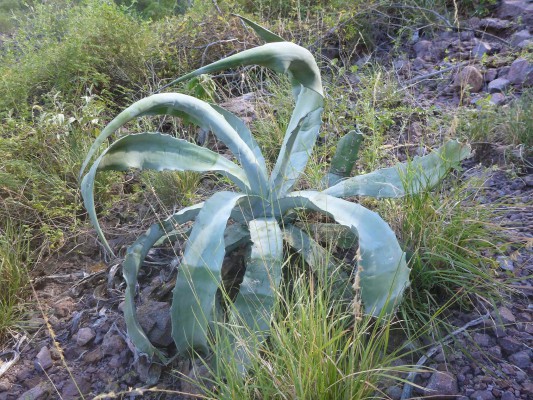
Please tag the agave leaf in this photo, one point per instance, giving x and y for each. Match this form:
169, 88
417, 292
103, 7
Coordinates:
254, 304
321, 262
345, 157
263, 33
382, 267
282, 57
163, 152
132, 263
199, 274
200, 113
406, 178
245, 134
154, 151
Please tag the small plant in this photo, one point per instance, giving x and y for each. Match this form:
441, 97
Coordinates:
264, 212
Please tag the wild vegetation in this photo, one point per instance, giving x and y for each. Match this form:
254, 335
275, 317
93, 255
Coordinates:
68, 68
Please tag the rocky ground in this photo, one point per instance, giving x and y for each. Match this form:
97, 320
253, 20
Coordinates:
76, 341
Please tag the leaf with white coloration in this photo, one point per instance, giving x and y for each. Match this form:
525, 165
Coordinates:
200, 113
382, 266
199, 274
322, 263
254, 304
132, 263
159, 152
345, 157
420, 174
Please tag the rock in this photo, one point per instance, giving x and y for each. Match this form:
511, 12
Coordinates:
469, 77
154, 317
73, 390
85, 335
418, 64
505, 315
517, 8
43, 361
508, 396
394, 392
480, 49
199, 377
521, 72
442, 385
526, 44
509, 344
498, 85
38, 392
505, 263
490, 74
520, 36
497, 98
482, 395
521, 359
64, 307
148, 372
494, 24
423, 48
112, 344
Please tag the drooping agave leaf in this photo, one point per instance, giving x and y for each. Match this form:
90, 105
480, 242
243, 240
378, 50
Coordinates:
263, 33
383, 270
321, 262
163, 152
245, 134
198, 112
254, 304
345, 157
199, 274
154, 151
406, 178
135, 256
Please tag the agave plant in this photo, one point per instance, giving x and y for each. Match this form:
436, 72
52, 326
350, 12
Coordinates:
263, 209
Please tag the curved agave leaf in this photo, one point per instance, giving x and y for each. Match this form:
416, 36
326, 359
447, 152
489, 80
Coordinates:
383, 270
200, 113
199, 274
245, 134
132, 263
406, 178
345, 157
254, 304
154, 151
263, 33
321, 262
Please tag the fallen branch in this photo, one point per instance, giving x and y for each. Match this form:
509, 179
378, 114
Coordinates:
435, 73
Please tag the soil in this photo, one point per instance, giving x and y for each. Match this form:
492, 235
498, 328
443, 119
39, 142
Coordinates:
76, 340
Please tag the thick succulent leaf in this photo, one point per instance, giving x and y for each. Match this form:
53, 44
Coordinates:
199, 274
282, 57
164, 152
245, 134
412, 177
263, 33
382, 266
135, 256
159, 152
254, 304
345, 157
198, 112
322, 263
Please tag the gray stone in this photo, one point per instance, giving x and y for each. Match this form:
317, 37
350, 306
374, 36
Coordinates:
394, 392
506, 315
490, 74
199, 377
43, 361
423, 48
38, 392
73, 390
508, 396
521, 359
112, 344
482, 395
469, 77
505, 263
85, 335
509, 344
497, 98
480, 49
521, 72
481, 339
520, 36
498, 85
154, 317
494, 24
442, 384
515, 9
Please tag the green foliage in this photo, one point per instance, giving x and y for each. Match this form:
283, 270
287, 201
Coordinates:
72, 48
262, 211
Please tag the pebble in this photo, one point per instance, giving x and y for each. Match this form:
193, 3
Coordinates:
498, 85
38, 392
521, 359
43, 360
85, 335
470, 77
482, 395
505, 263
508, 396
509, 345
521, 72
442, 383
